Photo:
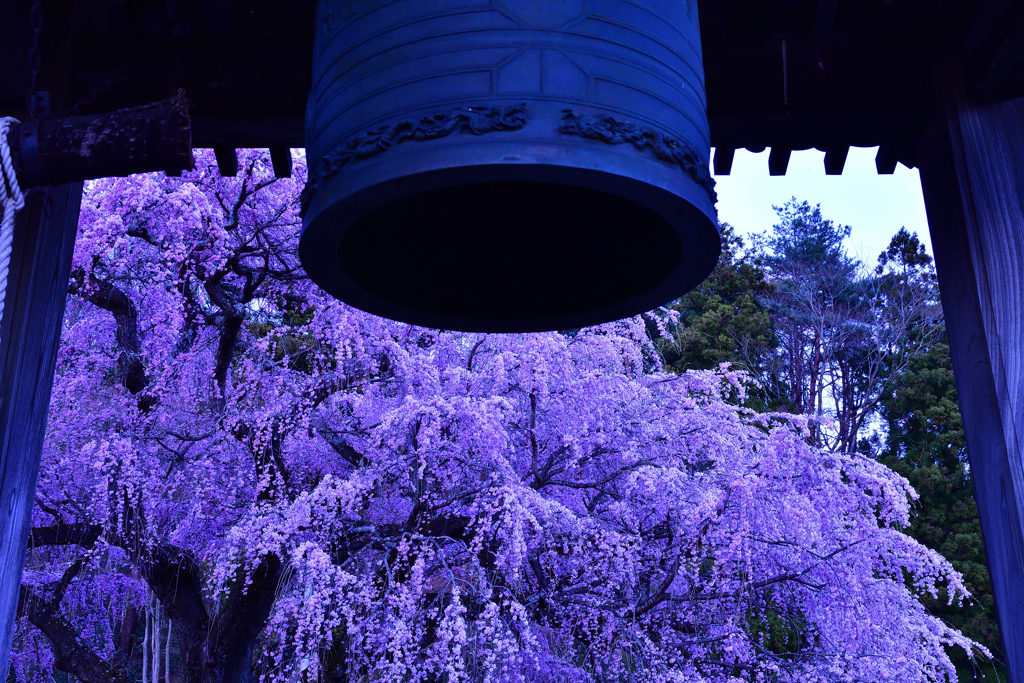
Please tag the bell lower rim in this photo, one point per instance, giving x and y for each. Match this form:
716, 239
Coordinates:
336, 213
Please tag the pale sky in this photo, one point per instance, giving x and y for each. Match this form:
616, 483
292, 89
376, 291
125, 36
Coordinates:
875, 206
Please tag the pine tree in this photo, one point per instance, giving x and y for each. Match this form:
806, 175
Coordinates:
723, 319
926, 445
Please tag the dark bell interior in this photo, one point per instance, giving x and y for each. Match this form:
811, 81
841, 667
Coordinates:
511, 250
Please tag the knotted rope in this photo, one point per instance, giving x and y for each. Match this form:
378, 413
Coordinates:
13, 201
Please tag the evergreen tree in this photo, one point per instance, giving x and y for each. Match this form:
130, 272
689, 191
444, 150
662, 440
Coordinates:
812, 303
826, 336
843, 330
926, 445
805, 241
723, 320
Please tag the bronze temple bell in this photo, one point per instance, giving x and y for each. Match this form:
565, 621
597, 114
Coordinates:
508, 165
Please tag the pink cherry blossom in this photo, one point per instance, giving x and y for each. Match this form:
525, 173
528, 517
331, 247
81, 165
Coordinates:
316, 494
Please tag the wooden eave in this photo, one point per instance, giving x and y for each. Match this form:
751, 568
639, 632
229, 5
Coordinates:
785, 74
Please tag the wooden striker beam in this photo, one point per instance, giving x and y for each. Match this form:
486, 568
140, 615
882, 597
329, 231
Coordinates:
154, 137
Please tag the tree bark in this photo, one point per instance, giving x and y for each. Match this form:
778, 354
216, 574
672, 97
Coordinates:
176, 580
84, 535
242, 620
72, 655
104, 295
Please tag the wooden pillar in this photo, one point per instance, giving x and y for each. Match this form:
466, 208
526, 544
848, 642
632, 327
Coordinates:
44, 240
972, 171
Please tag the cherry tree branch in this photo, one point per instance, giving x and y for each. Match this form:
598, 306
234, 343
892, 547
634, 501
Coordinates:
131, 370
84, 535
340, 445
748, 586
71, 654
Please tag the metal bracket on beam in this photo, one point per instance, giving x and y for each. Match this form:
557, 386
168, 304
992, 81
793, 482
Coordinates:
778, 160
31, 158
39, 105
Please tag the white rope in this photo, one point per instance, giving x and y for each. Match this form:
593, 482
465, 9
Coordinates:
13, 200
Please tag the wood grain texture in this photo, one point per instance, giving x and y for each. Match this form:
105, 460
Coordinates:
44, 240
972, 170
993, 44
141, 140
854, 89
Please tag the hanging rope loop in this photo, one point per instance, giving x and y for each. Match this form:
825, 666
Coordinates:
12, 200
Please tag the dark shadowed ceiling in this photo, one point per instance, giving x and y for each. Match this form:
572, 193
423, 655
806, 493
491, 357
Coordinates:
786, 74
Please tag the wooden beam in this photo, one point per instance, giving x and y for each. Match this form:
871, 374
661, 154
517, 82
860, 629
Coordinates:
248, 131
120, 143
837, 73
826, 16
993, 50
44, 239
281, 159
723, 160
887, 158
835, 159
778, 160
804, 131
1003, 76
972, 169
237, 76
252, 93
227, 160
177, 13
15, 37
92, 16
